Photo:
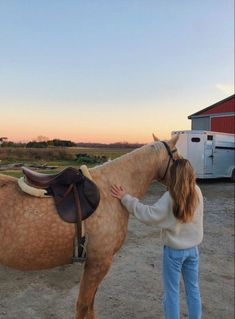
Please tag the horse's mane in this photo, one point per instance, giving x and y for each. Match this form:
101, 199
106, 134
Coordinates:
132, 156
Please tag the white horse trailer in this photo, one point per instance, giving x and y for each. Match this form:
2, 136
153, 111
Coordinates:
210, 153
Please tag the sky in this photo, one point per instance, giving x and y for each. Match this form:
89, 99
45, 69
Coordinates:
111, 71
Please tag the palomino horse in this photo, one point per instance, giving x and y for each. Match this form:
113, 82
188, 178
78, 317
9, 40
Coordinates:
33, 237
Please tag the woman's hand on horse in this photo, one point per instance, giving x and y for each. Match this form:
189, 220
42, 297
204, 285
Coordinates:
118, 191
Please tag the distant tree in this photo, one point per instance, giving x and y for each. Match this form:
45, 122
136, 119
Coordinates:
12, 144
111, 145
8, 144
55, 142
2, 139
36, 144
63, 143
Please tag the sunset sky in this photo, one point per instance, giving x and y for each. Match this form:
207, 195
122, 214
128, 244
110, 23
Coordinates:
111, 70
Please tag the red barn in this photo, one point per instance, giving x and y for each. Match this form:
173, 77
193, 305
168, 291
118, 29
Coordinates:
219, 117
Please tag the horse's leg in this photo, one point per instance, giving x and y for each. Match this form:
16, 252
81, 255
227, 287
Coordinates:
94, 273
91, 312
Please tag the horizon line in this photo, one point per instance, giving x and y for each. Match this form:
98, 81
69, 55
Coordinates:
80, 142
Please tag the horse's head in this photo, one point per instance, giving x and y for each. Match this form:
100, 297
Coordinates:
168, 153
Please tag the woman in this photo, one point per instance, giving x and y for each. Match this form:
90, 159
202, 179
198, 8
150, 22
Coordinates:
179, 213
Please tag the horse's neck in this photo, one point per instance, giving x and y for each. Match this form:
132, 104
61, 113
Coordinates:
134, 171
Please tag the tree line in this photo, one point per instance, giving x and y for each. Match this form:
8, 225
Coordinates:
40, 144
67, 143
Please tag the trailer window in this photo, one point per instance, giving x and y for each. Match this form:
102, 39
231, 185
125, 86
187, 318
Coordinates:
210, 137
195, 139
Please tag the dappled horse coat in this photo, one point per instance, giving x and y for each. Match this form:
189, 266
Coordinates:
32, 235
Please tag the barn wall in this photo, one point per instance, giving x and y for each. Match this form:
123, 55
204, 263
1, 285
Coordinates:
219, 117
201, 123
223, 124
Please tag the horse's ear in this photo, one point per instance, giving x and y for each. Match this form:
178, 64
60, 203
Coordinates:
155, 138
174, 139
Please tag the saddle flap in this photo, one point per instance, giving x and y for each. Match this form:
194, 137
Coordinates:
89, 198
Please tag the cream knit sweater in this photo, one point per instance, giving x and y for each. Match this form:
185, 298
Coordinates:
175, 234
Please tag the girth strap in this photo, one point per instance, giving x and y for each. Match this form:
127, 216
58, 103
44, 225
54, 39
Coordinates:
79, 219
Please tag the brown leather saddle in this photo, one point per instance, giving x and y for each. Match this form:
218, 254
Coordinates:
76, 196
65, 186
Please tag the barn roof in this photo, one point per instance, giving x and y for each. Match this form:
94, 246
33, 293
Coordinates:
211, 106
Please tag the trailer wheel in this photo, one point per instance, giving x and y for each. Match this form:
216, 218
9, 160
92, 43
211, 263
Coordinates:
233, 176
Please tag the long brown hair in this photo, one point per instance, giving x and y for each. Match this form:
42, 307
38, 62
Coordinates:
182, 188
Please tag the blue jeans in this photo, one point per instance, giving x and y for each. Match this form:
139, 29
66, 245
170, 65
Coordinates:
175, 262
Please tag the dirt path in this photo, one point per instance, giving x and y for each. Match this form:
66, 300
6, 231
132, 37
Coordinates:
132, 289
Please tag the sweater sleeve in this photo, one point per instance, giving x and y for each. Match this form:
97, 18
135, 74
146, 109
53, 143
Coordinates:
157, 214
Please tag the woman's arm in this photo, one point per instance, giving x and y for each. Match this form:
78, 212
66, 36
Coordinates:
155, 214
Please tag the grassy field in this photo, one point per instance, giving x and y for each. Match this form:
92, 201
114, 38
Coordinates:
61, 157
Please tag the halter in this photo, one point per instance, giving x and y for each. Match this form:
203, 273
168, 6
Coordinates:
170, 153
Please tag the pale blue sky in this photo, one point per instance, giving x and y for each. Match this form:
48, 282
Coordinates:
111, 70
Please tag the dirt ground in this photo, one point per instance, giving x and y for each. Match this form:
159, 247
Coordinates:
132, 289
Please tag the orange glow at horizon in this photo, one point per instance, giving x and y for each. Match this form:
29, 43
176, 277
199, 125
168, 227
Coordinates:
97, 136
133, 124
18, 133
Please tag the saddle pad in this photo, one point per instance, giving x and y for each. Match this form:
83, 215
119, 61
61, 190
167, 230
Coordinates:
36, 192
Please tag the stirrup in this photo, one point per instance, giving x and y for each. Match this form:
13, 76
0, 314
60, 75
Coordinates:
81, 251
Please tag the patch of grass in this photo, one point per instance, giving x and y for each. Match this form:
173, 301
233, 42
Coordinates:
58, 154
61, 157
16, 174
